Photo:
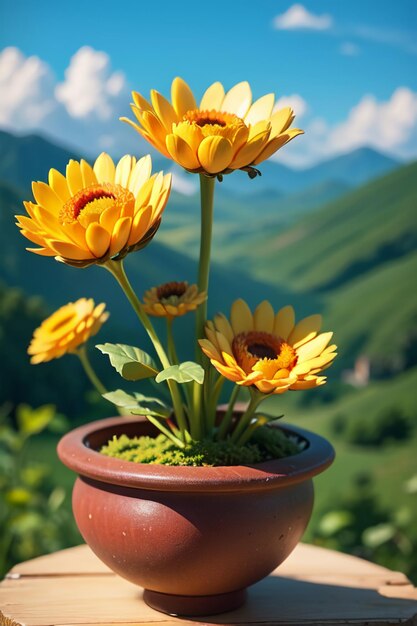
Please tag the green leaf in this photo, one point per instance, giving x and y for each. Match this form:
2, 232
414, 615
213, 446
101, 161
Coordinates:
183, 373
375, 536
33, 421
131, 363
135, 403
335, 521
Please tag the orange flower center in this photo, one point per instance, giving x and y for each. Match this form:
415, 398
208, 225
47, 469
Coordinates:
170, 291
89, 203
214, 122
264, 352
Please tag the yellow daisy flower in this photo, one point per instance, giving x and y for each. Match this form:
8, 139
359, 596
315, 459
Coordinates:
66, 329
225, 132
267, 349
172, 299
97, 213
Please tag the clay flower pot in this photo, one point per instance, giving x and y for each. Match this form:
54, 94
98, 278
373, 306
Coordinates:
194, 537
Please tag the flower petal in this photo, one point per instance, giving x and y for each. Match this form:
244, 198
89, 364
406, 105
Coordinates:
140, 174
314, 347
215, 154
181, 152
120, 235
241, 317
213, 98
123, 169
182, 97
263, 317
284, 322
238, 99
305, 330
74, 177
69, 250
58, 182
164, 110
277, 143
223, 325
250, 151
280, 121
87, 173
104, 168
260, 110
46, 197
97, 239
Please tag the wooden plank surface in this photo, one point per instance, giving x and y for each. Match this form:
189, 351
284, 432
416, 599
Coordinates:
314, 586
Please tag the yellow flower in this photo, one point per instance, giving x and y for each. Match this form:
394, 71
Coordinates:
225, 132
268, 349
172, 299
98, 213
66, 329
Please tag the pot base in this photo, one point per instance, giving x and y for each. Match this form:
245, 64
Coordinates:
195, 605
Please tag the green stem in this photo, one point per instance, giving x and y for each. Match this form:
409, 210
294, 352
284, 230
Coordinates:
172, 352
187, 387
212, 402
247, 434
245, 420
207, 197
116, 268
92, 376
197, 427
166, 431
227, 418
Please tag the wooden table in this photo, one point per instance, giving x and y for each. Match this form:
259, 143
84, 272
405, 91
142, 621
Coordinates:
314, 586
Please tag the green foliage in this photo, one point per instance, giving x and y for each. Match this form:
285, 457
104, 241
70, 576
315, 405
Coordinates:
33, 519
266, 444
131, 363
183, 373
138, 403
358, 524
390, 424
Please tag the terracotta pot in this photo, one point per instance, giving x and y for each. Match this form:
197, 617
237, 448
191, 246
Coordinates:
193, 537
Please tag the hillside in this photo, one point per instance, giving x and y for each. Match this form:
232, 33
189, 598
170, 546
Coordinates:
58, 283
27, 158
370, 226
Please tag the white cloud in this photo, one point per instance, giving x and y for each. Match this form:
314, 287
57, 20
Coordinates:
298, 17
295, 101
401, 39
184, 183
386, 125
26, 85
349, 49
81, 112
389, 126
90, 88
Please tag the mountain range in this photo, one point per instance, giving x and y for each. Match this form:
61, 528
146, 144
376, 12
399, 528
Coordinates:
27, 158
350, 255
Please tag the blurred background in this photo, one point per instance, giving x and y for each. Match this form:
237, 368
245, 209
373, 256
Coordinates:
330, 227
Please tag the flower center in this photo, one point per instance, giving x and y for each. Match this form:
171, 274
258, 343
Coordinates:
89, 203
214, 122
264, 352
171, 291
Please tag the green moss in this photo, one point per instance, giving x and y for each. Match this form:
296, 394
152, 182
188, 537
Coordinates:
266, 443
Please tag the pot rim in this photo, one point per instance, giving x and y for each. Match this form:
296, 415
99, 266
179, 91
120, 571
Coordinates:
75, 451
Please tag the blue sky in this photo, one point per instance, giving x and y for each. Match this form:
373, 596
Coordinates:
348, 67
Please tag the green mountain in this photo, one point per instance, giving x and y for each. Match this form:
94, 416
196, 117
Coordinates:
30, 157
365, 228
359, 254
27, 158
58, 284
